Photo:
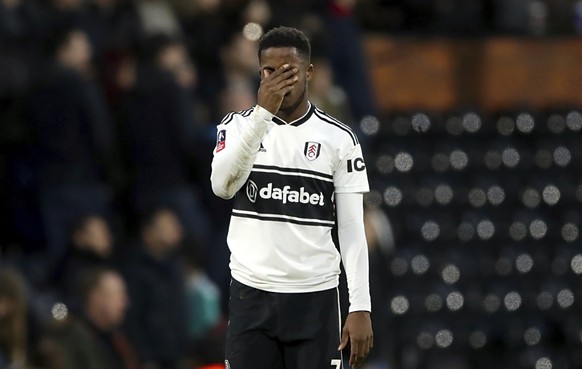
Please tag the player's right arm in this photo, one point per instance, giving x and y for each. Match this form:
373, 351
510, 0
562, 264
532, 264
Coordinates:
238, 140
237, 145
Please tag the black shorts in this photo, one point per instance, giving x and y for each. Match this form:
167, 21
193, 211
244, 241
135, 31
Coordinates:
268, 330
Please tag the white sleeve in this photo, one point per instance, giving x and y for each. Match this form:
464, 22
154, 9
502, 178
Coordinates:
236, 151
354, 249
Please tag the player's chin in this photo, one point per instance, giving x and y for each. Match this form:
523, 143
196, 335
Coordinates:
288, 100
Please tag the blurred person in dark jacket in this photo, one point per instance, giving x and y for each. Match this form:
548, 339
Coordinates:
159, 126
91, 339
91, 246
74, 144
158, 319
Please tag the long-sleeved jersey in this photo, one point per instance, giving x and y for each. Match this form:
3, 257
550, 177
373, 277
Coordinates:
284, 177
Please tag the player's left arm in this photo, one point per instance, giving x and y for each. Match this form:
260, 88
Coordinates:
351, 181
358, 326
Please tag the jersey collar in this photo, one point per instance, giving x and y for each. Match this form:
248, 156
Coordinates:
298, 121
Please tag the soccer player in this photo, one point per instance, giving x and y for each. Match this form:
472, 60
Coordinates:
292, 167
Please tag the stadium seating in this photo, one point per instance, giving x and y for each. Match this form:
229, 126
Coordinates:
486, 213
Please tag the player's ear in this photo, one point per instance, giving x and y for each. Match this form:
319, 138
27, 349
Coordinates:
309, 72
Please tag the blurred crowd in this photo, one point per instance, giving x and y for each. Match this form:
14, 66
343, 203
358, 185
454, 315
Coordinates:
112, 246
473, 18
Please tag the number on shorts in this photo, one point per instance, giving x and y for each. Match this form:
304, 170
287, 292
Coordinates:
337, 363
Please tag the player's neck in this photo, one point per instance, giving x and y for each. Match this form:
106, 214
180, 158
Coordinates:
294, 113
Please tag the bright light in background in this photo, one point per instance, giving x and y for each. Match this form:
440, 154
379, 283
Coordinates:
510, 157
370, 125
532, 336
574, 121
59, 311
538, 229
443, 194
551, 195
430, 230
562, 156
471, 122
392, 196
420, 122
565, 298
455, 301
459, 159
399, 305
576, 264
420, 264
485, 229
544, 363
252, 31
444, 338
512, 301
525, 123
403, 162
524, 263
495, 195
451, 274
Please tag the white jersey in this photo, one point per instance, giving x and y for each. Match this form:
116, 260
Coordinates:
280, 229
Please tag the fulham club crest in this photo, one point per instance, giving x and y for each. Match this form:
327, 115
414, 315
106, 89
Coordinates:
312, 150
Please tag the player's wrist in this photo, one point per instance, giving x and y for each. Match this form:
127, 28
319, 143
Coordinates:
263, 113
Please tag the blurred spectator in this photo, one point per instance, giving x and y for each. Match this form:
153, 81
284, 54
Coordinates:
160, 131
237, 95
239, 59
92, 339
75, 143
158, 17
91, 247
114, 28
205, 321
14, 350
347, 57
205, 25
325, 94
203, 295
158, 316
20, 27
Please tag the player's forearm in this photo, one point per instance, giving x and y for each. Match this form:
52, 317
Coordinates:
354, 249
231, 168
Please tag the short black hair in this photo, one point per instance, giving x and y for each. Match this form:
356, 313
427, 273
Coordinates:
286, 37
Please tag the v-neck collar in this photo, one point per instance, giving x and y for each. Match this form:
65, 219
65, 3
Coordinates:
298, 121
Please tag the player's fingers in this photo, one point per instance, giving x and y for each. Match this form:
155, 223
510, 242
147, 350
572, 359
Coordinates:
360, 348
277, 72
285, 84
344, 340
286, 75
